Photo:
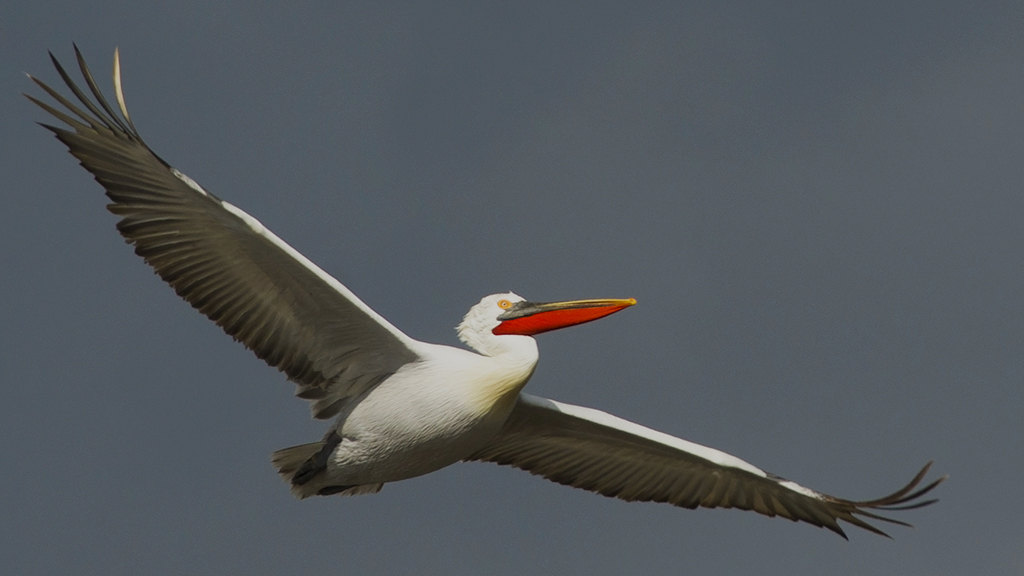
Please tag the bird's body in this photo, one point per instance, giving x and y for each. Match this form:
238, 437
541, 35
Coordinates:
433, 412
400, 407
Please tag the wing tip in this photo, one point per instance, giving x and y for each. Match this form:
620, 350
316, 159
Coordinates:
906, 498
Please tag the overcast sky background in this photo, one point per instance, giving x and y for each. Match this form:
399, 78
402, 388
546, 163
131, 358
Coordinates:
817, 205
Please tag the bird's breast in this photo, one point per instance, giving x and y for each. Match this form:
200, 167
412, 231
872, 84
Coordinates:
427, 416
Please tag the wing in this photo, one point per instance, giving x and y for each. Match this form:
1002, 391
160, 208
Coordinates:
262, 292
596, 451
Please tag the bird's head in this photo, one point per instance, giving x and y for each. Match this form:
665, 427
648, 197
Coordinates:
488, 325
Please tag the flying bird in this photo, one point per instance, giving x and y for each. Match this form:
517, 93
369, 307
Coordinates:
400, 407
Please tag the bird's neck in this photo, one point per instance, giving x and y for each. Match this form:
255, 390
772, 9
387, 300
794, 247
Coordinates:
503, 374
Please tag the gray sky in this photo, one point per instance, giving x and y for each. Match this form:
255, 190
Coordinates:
817, 205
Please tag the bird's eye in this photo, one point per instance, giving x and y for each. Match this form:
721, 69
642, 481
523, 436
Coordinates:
504, 304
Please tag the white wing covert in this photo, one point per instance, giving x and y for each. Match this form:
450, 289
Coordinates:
289, 312
595, 451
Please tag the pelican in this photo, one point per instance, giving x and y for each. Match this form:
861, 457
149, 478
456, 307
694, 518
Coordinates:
400, 407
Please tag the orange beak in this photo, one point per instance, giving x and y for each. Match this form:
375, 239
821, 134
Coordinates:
529, 318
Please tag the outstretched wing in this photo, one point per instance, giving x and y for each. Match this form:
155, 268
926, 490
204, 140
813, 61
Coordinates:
593, 450
262, 292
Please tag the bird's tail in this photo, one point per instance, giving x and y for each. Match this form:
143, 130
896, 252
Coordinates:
302, 460
289, 460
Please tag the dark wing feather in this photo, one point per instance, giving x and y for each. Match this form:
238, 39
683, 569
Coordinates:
226, 264
595, 451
